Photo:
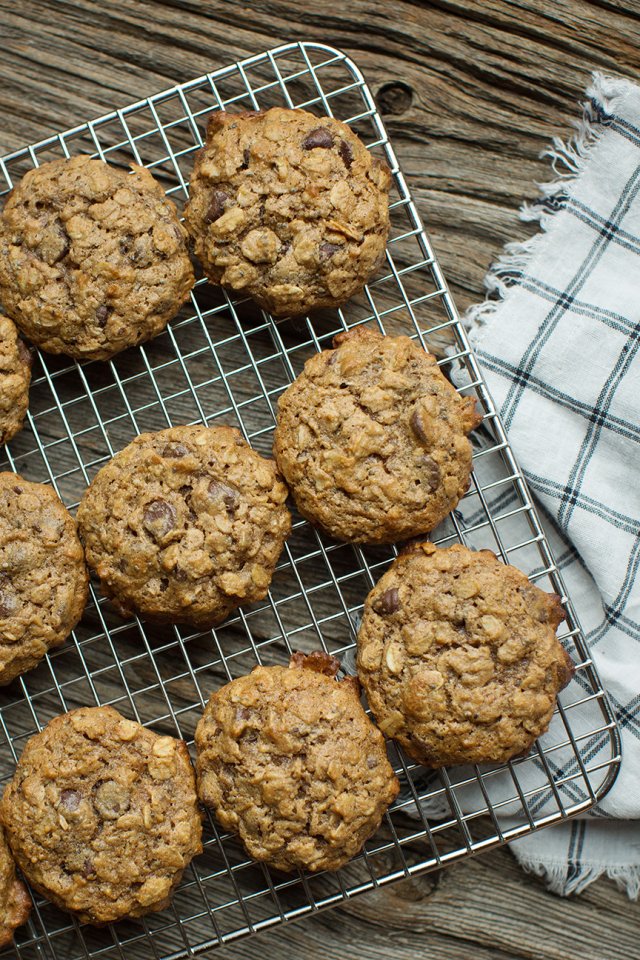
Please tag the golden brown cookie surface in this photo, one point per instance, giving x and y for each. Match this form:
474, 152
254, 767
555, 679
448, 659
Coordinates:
92, 259
290, 762
15, 902
43, 575
372, 439
15, 377
184, 525
458, 656
289, 208
102, 815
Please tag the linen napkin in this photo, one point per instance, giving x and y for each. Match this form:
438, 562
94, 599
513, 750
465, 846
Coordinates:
558, 340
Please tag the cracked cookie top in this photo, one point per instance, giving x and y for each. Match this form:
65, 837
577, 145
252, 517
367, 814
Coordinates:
372, 439
290, 762
185, 525
102, 814
289, 208
92, 259
43, 575
459, 657
15, 377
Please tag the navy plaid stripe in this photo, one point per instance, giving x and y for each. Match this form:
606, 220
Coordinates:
610, 318
614, 616
535, 348
609, 421
627, 130
593, 219
589, 751
605, 399
575, 850
627, 715
556, 490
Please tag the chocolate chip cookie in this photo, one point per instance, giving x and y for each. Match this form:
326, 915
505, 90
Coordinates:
372, 439
43, 576
289, 208
15, 903
92, 259
290, 762
15, 377
102, 815
185, 525
459, 657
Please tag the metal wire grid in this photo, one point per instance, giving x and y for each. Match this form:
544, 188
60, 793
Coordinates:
223, 360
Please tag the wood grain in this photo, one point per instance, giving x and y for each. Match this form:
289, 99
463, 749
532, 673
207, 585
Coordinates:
471, 92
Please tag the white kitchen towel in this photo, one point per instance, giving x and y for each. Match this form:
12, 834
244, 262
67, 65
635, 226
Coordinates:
558, 340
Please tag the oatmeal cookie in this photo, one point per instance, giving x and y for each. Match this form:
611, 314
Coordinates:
290, 762
92, 259
372, 439
15, 377
185, 525
15, 902
289, 208
102, 815
43, 575
459, 657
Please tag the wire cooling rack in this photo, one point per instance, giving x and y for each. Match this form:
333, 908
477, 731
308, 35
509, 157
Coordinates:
225, 361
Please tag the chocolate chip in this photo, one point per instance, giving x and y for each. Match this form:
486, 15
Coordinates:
220, 491
372, 762
327, 249
216, 207
389, 601
87, 869
102, 315
320, 137
111, 799
70, 800
346, 153
431, 472
418, 426
246, 157
174, 450
317, 660
242, 713
159, 518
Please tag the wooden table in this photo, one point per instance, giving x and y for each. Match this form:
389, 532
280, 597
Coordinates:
471, 91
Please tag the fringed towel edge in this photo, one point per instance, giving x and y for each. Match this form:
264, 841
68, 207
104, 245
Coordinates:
568, 158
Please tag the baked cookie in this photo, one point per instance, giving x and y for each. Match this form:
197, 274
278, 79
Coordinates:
372, 439
290, 762
15, 902
289, 208
185, 525
15, 377
459, 657
92, 259
102, 815
43, 575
